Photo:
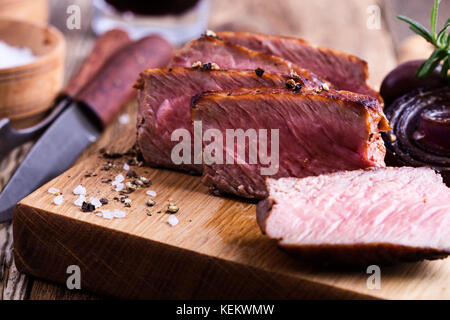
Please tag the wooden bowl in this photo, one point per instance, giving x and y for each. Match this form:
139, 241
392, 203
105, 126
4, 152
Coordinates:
28, 90
28, 10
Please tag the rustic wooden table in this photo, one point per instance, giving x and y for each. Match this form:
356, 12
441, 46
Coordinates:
345, 25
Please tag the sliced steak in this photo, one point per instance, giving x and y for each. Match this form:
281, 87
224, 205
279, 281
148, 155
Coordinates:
233, 57
164, 98
345, 72
319, 132
362, 217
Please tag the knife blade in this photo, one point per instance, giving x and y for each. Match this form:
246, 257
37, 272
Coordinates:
82, 123
103, 49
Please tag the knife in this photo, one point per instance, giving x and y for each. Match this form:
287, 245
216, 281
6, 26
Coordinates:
103, 49
99, 102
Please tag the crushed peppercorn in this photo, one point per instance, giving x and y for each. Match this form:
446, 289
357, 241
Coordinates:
206, 66
259, 72
131, 174
87, 207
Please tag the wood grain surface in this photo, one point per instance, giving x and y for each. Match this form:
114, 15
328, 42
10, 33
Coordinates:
341, 25
215, 251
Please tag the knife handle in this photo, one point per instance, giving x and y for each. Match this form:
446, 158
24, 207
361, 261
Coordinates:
103, 49
112, 87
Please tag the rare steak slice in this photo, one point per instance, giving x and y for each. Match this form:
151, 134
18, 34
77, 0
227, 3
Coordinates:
164, 97
345, 72
227, 56
361, 217
296, 133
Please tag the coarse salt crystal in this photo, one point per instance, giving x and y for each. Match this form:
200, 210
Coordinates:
151, 193
107, 214
119, 178
127, 201
58, 200
79, 190
173, 221
80, 200
96, 202
119, 187
119, 213
14, 56
126, 166
124, 118
54, 190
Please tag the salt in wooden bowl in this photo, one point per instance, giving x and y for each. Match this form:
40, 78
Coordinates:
28, 90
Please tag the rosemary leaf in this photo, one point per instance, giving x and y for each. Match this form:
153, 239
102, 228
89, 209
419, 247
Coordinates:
418, 28
429, 65
434, 14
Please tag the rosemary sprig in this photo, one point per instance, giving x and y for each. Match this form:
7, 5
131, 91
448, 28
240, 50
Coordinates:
440, 40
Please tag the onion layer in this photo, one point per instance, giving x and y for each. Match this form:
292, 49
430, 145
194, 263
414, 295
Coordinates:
420, 134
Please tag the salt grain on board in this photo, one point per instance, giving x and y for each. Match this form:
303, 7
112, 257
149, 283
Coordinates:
119, 178
79, 190
96, 202
14, 56
54, 191
126, 167
80, 200
58, 200
173, 221
107, 214
151, 193
119, 187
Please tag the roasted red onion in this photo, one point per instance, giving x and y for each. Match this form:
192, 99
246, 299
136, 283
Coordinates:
420, 134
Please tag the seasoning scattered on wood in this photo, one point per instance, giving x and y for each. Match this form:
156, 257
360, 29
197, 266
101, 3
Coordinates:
130, 187
110, 155
54, 191
145, 180
131, 174
79, 190
80, 200
103, 201
259, 72
151, 202
87, 207
151, 193
172, 208
149, 213
173, 221
58, 200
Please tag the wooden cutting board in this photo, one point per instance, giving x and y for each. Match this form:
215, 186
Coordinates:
215, 251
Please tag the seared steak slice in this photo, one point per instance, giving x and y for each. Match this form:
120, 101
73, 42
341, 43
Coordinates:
233, 57
319, 132
345, 72
164, 98
362, 217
